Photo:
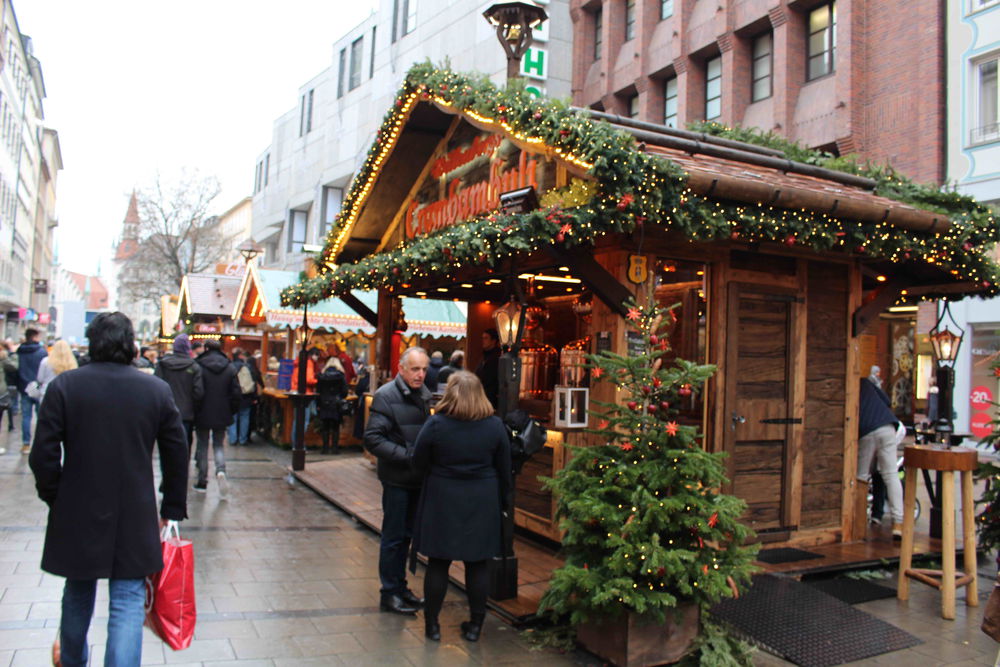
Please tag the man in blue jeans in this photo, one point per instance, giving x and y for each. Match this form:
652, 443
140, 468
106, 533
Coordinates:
29, 358
93, 466
398, 411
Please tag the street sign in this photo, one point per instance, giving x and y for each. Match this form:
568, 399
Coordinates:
41, 286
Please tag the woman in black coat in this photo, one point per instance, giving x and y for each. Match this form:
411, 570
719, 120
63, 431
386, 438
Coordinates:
464, 453
331, 387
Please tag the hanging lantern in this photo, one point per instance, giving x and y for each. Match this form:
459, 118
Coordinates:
944, 342
509, 322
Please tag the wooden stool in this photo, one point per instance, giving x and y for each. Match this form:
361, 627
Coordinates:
947, 461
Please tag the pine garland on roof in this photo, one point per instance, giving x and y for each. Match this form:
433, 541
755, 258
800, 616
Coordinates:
633, 189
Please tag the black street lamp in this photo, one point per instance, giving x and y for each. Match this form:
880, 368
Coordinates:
301, 399
514, 22
946, 345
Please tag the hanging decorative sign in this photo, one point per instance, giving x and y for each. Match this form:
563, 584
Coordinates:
638, 269
467, 180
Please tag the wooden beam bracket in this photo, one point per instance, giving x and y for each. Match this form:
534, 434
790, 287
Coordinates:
884, 297
596, 277
361, 309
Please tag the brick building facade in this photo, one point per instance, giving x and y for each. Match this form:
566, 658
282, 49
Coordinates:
845, 76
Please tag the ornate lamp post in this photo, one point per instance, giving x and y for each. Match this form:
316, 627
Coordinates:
514, 22
250, 249
946, 345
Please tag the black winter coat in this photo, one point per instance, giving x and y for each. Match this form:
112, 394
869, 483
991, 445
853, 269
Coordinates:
488, 372
222, 391
102, 420
875, 408
396, 415
467, 482
431, 379
184, 377
246, 400
331, 387
29, 358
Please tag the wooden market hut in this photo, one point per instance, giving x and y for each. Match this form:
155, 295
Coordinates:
205, 305
777, 265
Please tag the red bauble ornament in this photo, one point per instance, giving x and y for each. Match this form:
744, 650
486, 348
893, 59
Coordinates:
560, 237
395, 271
625, 201
632, 405
860, 250
966, 246
564, 133
735, 235
647, 389
661, 571
653, 339
685, 390
790, 240
446, 251
657, 382
665, 405
652, 408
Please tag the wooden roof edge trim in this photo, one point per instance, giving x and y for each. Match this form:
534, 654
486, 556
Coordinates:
748, 157
899, 215
966, 287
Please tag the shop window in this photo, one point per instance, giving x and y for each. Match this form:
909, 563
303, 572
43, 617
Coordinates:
684, 283
983, 385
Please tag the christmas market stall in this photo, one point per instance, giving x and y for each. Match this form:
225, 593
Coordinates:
334, 328
777, 259
205, 306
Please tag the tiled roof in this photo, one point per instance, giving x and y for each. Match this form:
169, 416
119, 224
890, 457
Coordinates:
210, 293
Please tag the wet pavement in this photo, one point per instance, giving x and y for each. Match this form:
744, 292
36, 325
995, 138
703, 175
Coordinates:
283, 578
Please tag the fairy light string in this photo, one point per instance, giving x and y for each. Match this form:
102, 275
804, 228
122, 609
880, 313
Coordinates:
632, 188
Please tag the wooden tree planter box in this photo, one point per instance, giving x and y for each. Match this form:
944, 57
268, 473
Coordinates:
627, 641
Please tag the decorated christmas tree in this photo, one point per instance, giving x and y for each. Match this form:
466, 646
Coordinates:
647, 528
988, 517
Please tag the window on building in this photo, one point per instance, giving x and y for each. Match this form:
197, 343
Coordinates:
670, 102
404, 18
598, 31
305, 113
297, 224
982, 4
371, 65
410, 17
986, 125
666, 9
342, 71
257, 177
309, 111
822, 40
713, 88
302, 115
357, 48
332, 200
632, 106
629, 19
267, 167
761, 70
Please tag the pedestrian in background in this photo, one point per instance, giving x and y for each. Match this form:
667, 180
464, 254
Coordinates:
179, 370
60, 359
253, 361
9, 363
877, 439
146, 361
331, 389
93, 466
10, 377
197, 348
433, 369
398, 411
239, 431
215, 414
29, 358
455, 363
488, 370
463, 452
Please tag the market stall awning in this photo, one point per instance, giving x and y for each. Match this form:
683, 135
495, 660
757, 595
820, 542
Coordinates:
212, 294
259, 301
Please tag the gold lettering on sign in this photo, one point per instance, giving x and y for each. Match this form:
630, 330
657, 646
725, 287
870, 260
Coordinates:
462, 204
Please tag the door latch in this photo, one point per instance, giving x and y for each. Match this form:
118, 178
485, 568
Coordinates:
738, 419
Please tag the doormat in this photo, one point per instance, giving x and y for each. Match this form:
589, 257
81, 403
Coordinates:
852, 591
785, 555
806, 626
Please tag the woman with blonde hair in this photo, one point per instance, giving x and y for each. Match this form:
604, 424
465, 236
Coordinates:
464, 453
60, 360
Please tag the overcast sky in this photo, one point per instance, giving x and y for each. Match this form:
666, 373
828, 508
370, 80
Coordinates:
140, 87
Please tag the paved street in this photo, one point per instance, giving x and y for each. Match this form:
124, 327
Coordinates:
284, 578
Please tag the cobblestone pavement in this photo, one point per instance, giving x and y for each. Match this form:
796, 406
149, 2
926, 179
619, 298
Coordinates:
283, 579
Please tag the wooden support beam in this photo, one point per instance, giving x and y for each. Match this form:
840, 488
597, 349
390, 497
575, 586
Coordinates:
361, 309
594, 276
884, 297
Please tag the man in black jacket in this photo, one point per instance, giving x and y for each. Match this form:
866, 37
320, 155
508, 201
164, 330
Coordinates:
398, 411
488, 370
183, 375
220, 403
93, 465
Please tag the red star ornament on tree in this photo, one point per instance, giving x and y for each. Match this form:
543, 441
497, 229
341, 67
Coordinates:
633, 314
627, 446
671, 428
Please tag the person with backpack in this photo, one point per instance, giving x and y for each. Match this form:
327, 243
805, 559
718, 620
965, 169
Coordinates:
239, 431
332, 389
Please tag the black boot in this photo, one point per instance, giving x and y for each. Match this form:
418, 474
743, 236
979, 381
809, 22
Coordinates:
397, 605
432, 629
472, 629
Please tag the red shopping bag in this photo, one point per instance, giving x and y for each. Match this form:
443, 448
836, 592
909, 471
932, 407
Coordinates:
170, 606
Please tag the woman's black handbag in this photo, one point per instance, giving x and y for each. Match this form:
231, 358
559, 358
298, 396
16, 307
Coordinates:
527, 437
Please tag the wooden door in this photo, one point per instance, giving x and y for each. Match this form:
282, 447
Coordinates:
763, 345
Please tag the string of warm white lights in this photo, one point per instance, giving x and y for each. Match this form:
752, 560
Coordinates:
632, 189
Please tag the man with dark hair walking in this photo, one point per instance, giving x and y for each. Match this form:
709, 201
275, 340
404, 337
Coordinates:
183, 375
29, 358
93, 466
215, 414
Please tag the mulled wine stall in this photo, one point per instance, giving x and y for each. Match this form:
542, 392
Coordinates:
487, 196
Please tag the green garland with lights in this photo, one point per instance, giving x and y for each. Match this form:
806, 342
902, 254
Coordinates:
632, 189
